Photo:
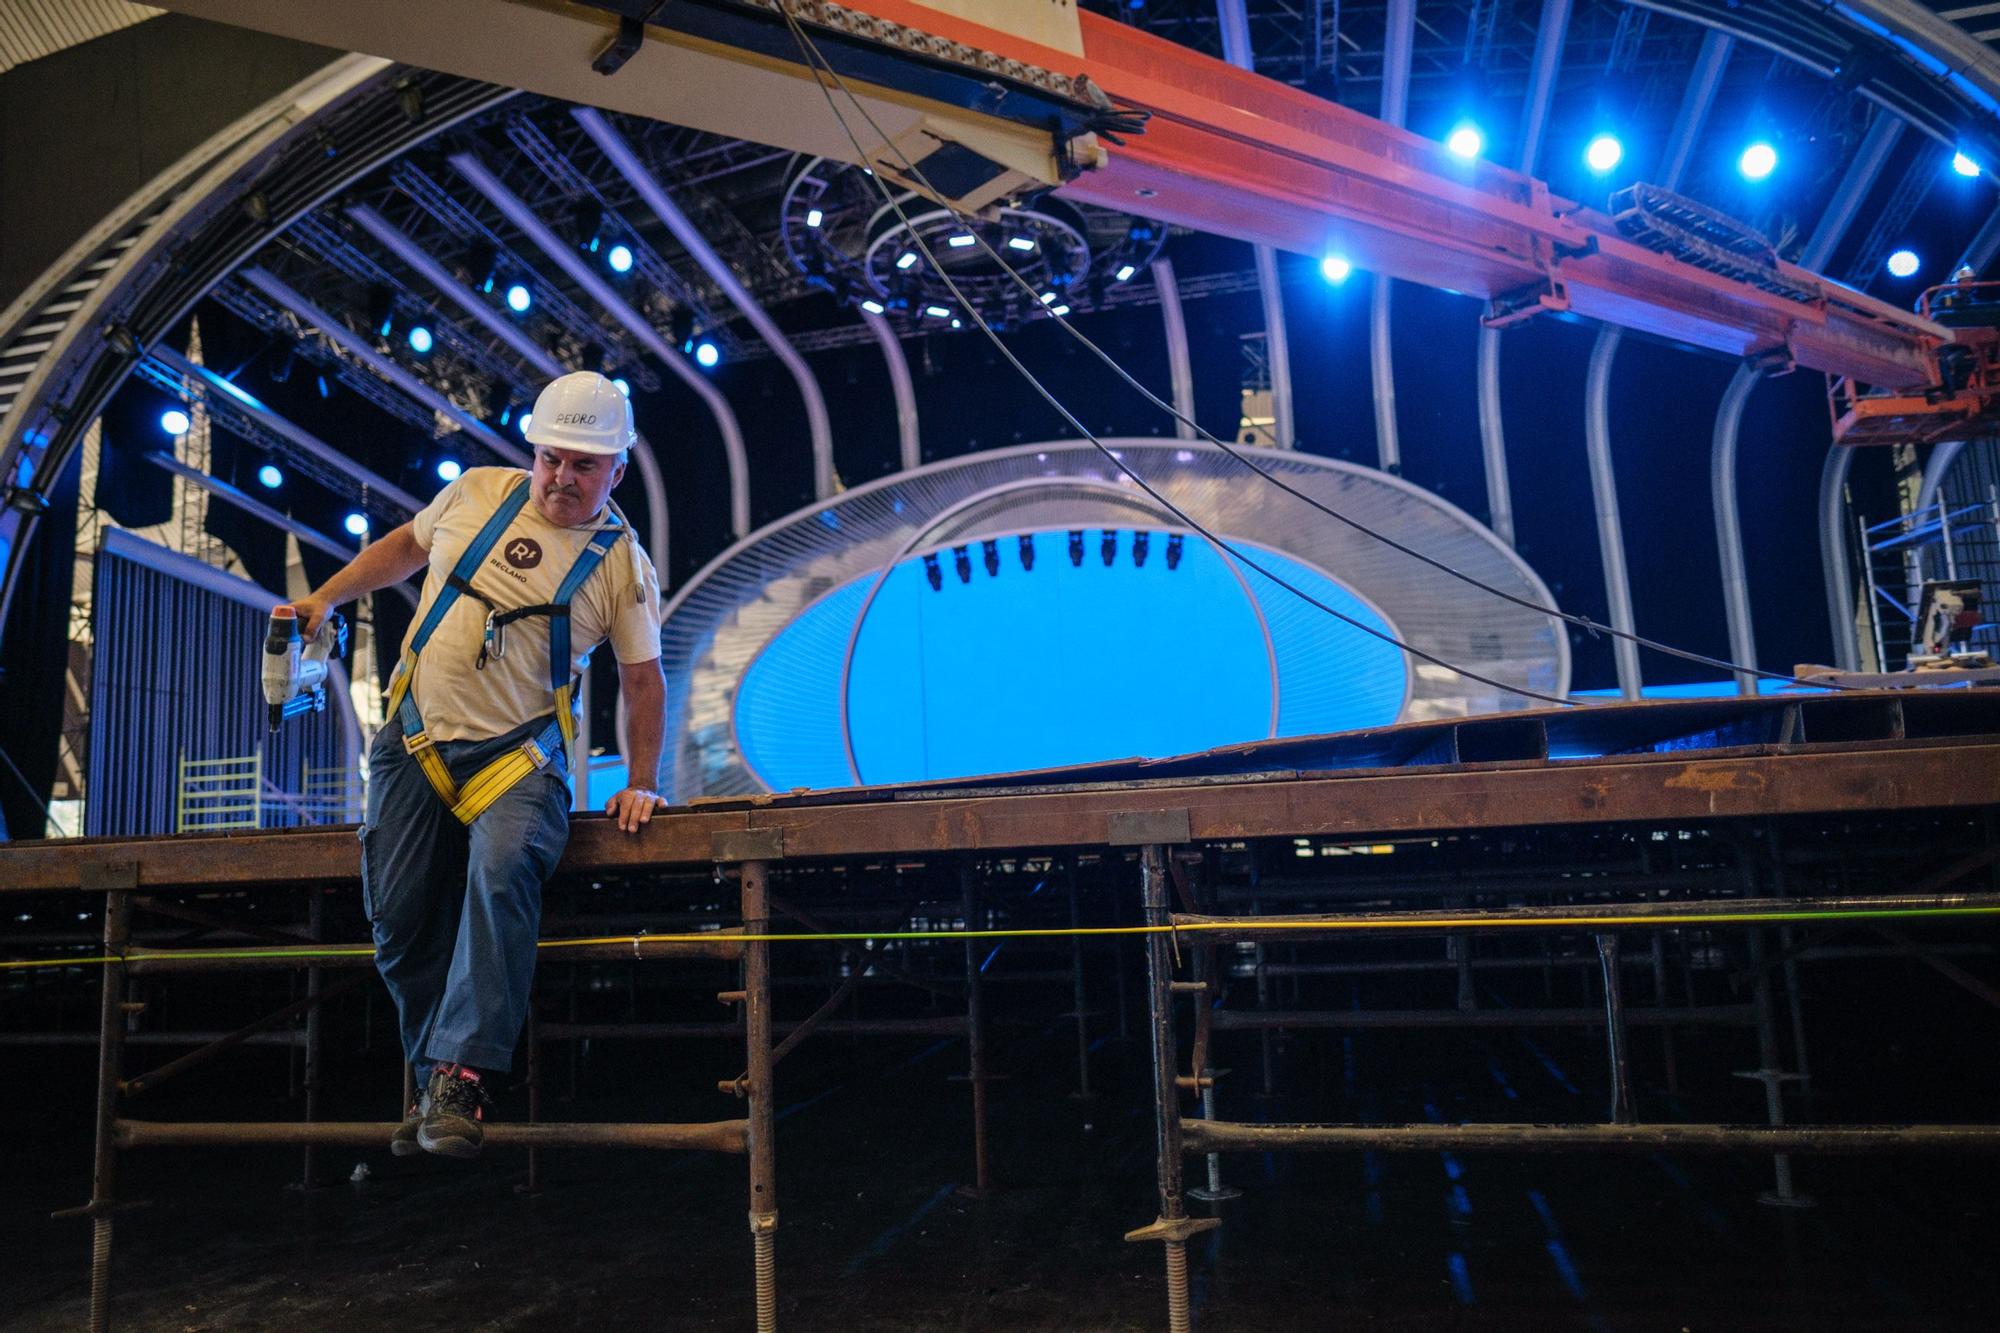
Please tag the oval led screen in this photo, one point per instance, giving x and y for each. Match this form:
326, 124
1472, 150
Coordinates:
1070, 661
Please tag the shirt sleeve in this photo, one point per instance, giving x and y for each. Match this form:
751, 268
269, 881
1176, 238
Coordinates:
424, 526
635, 616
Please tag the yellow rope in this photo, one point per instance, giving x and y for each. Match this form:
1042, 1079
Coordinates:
1599, 920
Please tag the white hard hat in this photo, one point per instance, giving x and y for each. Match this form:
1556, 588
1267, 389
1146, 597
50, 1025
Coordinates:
583, 411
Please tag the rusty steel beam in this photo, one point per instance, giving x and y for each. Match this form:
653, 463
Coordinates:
1200, 1136
1863, 778
1639, 916
1257, 1020
727, 1136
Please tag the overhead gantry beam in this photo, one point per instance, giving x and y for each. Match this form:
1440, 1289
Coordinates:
1225, 150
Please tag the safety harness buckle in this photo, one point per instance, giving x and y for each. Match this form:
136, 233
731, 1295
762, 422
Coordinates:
417, 743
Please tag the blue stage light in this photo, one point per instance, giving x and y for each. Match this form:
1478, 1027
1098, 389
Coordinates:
906, 260
1466, 141
814, 217
269, 477
420, 339
519, 298
1964, 165
1335, 268
1126, 271
620, 258
1758, 161
1603, 153
449, 469
624, 385
962, 240
873, 307
1904, 264
357, 525
174, 421
706, 355
1021, 243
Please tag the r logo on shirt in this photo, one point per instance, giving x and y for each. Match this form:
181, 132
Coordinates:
524, 553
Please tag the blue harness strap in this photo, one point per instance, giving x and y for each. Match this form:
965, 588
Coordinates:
486, 786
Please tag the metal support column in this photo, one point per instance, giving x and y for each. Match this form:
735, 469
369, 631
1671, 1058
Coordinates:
1079, 992
1173, 1226
1550, 34
110, 1061
1839, 579
533, 1185
1235, 24
1398, 41
1862, 172
975, 1034
1180, 370
909, 443
1701, 90
757, 1060
1614, 1029
315, 927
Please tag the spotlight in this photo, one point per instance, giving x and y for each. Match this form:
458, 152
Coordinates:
381, 310
1076, 547
619, 258
906, 260
174, 421
1107, 547
449, 469
1048, 298
873, 307
1758, 161
706, 355
1603, 153
357, 525
527, 420
269, 477
1964, 165
1058, 310
938, 311
624, 385
1142, 542
1027, 553
989, 552
478, 269
1125, 273
519, 298
962, 240
814, 217
420, 339
1174, 540
932, 573
1336, 268
1904, 264
1022, 243
1465, 141
961, 560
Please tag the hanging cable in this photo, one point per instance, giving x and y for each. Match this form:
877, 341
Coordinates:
815, 60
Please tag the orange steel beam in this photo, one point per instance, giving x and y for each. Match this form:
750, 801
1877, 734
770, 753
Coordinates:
1232, 152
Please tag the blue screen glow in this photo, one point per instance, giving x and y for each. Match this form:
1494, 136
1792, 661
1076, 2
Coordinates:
1060, 664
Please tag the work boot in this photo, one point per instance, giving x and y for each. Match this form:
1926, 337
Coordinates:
451, 1123
403, 1142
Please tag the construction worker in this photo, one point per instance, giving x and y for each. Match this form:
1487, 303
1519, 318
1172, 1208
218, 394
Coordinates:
468, 808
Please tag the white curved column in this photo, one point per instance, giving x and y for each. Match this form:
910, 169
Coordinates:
818, 426
1180, 368
909, 444
1277, 347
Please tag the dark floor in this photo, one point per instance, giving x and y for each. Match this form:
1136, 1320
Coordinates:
873, 1138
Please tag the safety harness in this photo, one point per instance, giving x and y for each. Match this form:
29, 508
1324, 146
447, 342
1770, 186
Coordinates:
486, 786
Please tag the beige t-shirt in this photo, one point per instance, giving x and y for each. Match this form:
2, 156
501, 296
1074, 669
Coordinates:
620, 601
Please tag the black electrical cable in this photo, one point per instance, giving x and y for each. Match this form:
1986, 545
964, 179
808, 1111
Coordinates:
1582, 622
815, 61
